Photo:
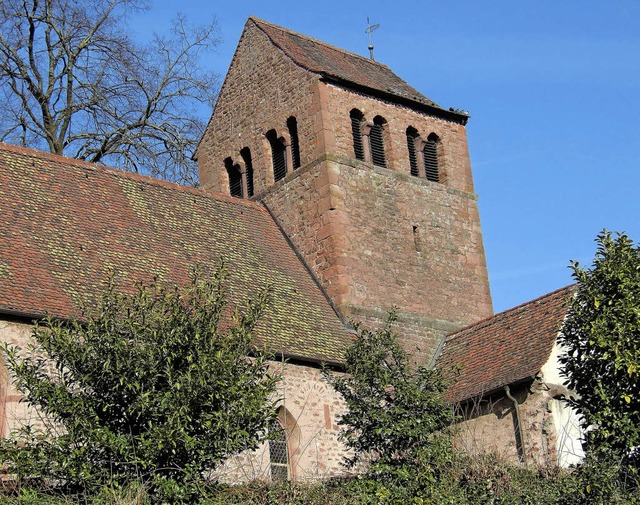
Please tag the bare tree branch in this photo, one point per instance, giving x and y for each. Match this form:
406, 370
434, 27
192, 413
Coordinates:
72, 81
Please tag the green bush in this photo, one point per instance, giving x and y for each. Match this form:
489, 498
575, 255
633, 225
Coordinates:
601, 338
155, 387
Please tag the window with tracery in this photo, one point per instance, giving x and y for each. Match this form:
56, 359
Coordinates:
278, 453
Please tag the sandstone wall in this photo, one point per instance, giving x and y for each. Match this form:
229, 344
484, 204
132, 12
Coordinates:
262, 89
309, 408
378, 238
14, 413
488, 426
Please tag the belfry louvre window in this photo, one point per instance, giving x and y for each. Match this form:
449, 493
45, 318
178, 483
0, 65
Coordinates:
356, 129
376, 138
430, 155
246, 157
235, 178
412, 136
292, 125
278, 453
278, 155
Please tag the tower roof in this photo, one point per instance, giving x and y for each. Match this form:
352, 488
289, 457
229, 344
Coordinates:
66, 223
506, 348
344, 67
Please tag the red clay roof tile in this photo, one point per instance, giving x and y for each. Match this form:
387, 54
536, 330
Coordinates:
332, 62
503, 349
65, 223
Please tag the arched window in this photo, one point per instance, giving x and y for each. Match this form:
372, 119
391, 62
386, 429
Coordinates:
412, 139
430, 157
376, 139
278, 155
278, 452
246, 157
357, 119
292, 125
235, 178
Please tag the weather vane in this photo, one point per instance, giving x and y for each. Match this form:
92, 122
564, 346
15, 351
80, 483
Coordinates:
370, 29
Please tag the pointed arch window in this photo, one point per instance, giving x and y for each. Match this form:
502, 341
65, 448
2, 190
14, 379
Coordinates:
245, 153
278, 452
412, 147
235, 178
292, 126
376, 139
357, 118
430, 158
278, 155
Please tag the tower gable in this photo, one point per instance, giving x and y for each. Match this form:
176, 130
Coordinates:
266, 103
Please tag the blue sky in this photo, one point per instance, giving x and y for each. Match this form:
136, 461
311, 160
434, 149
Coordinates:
553, 89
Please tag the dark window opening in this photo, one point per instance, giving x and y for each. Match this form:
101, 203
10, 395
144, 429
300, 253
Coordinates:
412, 136
235, 178
278, 453
376, 138
246, 157
356, 129
430, 155
278, 155
292, 125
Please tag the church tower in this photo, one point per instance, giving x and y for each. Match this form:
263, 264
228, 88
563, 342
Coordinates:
368, 178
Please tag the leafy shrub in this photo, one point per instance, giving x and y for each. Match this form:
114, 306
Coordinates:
396, 416
601, 335
156, 387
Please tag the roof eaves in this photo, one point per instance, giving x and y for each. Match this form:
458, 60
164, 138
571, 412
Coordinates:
434, 110
495, 389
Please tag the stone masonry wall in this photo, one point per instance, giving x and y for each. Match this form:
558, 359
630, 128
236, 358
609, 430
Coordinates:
454, 164
488, 427
14, 413
377, 238
312, 408
263, 88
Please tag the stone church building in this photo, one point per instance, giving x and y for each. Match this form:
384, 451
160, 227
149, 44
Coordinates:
329, 178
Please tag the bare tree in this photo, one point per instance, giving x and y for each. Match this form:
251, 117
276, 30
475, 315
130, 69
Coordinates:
74, 82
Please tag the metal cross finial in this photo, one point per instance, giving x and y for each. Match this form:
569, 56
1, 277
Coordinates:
371, 28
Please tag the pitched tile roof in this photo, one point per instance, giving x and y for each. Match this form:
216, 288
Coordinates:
504, 349
66, 222
340, 65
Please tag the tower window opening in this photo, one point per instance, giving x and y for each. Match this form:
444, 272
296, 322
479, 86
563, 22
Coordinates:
377, 142
412, 137
356, 128
235, 178
246, 157
430, 156
278, 155
278, 453
292, 125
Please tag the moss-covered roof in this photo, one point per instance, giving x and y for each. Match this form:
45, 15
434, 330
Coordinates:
66, 223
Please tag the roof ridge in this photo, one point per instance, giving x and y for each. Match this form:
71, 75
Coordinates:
119, 172
500, 315
259, 21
